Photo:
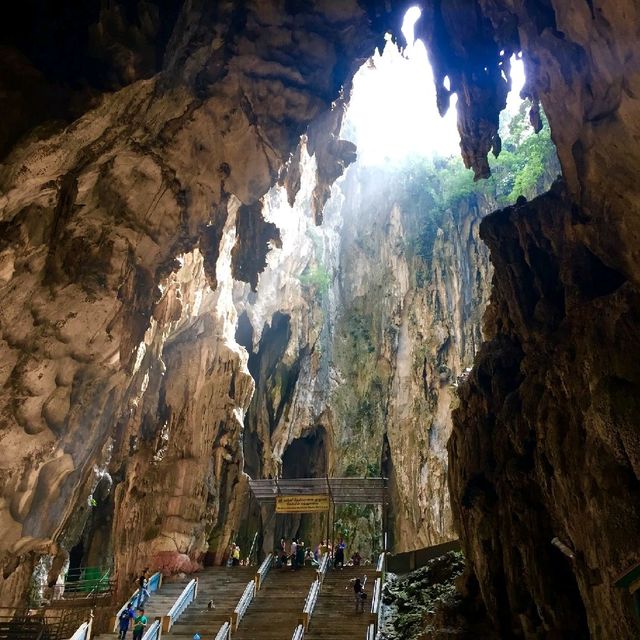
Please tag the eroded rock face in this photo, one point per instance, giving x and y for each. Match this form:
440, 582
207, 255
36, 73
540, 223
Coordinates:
544, 446
93, 220
357, 345
543, 442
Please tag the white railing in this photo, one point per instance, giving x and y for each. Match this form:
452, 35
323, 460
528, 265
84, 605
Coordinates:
243, 604
155, 582
375, 598
324, 565
371, 632
298, 633
263, 570
310, 603
188, 595
83, 632
225, 632
154, 632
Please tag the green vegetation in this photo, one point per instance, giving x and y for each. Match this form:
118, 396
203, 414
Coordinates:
317, 278
432, 188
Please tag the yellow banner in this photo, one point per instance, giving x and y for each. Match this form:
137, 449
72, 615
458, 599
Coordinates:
302, 504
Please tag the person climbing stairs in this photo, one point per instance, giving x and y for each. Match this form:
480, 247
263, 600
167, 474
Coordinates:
334, 617
155, 607
219, 589
274, 612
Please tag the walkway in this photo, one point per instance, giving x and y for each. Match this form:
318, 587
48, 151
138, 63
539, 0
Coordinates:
156, 606
334, 617
274, 612
223, 586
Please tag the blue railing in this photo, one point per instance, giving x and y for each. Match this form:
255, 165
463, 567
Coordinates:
188, 595
310, 603
225, 632
322, 569
153, 632
376, 598
155, 582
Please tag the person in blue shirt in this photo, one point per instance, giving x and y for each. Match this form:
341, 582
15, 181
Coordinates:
128, 614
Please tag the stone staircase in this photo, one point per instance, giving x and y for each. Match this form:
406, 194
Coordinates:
275, 610
334, 617
223, 585
156, 606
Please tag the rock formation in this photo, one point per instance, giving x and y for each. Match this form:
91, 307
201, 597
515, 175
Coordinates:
98, 326
544, 444
115, 213
358, 342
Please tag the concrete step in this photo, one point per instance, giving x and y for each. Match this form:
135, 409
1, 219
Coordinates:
334, 617
223, 586
274, 613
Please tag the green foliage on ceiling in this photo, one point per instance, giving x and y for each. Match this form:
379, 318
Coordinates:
433, 188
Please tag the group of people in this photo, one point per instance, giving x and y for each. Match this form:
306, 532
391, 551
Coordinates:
295, 554
128, 615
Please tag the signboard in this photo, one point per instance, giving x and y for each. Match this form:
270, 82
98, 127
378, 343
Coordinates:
302, 504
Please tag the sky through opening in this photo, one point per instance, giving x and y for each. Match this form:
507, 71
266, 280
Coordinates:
392, 113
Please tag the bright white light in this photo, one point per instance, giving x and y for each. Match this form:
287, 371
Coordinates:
392, 112
409, 23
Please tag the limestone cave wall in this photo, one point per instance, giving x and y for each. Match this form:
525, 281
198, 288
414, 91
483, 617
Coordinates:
98, 347
357, 337
143, 176
545, 440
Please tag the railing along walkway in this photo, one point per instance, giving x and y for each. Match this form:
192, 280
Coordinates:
376, 597
155, 582
188, 595
154, 632
245, 600
243, 604
312, 597
84, 631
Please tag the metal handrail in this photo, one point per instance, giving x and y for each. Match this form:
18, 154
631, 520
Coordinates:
298, 633
312, 596
371, 632
243, 603
324, 565
375, 598
83, 632
188, 595
225, 632
261, 574
154, 632
155, 582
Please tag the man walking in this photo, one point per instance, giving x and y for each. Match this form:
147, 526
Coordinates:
139, 625
125, 618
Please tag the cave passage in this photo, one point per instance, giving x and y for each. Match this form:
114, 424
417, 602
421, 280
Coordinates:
366, 323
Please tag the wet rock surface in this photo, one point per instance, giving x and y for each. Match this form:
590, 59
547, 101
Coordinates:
426, 604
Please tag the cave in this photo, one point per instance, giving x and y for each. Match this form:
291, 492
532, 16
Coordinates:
206, 254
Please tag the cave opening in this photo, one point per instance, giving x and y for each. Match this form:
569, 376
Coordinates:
384, 299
